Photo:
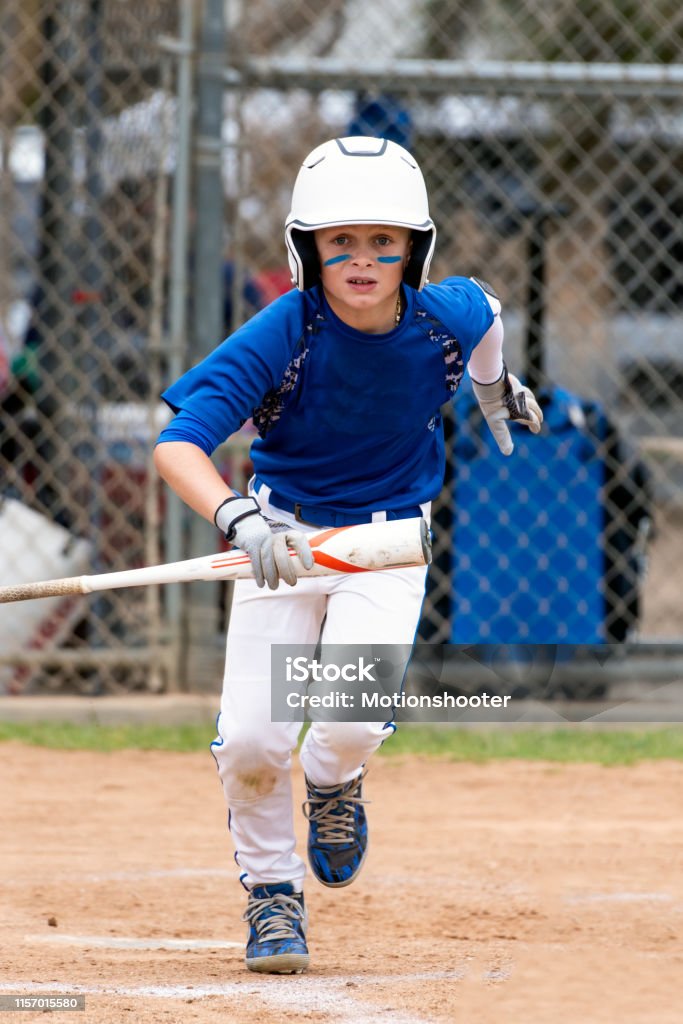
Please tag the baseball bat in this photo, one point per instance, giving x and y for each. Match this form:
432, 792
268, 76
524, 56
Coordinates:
365, 548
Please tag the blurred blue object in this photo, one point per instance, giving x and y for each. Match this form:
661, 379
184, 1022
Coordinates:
382, 117
543, 539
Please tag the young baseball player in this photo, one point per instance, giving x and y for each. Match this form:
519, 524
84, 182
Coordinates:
344, 377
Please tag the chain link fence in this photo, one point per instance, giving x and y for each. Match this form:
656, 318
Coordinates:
552, 144
85, 125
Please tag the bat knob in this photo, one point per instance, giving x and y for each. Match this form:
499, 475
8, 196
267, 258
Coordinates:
426, 540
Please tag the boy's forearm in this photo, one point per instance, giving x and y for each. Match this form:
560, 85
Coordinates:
192, 475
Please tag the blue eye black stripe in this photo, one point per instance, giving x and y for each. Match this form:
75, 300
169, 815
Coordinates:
345, 256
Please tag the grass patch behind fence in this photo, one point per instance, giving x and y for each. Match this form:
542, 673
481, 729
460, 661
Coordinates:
576, 743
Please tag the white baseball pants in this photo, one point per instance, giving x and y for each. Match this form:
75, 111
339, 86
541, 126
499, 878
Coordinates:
253, 754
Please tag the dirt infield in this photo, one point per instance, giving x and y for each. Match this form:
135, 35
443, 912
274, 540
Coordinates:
505, 893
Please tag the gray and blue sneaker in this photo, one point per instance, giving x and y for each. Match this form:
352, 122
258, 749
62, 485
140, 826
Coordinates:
337, 831
277, 929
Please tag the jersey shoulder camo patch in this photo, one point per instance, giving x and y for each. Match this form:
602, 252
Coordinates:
273, 404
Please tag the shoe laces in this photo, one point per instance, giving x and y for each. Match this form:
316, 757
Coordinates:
274, 917
333, 810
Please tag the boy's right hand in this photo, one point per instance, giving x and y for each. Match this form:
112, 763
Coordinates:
241, 521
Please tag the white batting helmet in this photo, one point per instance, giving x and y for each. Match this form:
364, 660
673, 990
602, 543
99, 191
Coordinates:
358, 180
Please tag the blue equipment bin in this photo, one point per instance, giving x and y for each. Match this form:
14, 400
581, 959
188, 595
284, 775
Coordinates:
529, 560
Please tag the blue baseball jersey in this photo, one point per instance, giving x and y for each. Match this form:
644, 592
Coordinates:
346, 421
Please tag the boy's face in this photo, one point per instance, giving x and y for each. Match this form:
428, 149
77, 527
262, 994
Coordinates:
361, 268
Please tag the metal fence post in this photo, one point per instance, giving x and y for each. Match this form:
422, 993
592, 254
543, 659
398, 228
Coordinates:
178, 320
207, 297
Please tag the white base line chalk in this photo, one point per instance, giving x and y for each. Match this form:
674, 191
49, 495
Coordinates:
298, 994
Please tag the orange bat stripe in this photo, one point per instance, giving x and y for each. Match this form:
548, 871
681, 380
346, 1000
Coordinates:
330, 562
323, 537
230, 562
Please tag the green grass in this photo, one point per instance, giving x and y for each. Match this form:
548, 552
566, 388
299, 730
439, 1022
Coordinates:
91, 736
570, 744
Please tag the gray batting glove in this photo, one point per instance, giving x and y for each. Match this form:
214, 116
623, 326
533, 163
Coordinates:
507, 399
241, 521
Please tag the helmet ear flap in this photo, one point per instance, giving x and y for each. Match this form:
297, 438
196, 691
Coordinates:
417, 269
304, 261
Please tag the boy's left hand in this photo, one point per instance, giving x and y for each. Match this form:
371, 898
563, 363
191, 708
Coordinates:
508, 399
